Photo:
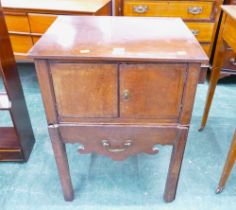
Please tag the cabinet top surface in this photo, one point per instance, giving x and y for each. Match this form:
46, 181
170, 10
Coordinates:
91, 6
230, 10
119, 38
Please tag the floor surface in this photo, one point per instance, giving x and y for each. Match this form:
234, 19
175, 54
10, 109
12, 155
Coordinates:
136, 183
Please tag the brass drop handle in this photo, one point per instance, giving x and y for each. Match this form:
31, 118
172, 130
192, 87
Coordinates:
140, 9
106, 144
233, 61
126, 94
195, 32
195, 10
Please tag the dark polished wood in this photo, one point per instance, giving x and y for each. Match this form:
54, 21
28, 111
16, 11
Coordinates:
17, 142
229, 163
227, 36
118, 86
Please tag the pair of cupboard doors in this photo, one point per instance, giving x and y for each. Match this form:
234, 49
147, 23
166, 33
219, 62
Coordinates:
152, 92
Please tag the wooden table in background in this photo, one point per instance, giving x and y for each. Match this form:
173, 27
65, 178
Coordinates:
227, 37
119, 86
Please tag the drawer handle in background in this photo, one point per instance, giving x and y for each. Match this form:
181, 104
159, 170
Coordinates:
107, 146
195, 32
140, 9
195, 10
233, 61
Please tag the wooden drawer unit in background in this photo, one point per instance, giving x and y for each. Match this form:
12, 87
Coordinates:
201, 16
27, 20
19, 32
121, 92
39, 23
17, 22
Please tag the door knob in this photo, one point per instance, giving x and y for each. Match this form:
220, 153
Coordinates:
125, 94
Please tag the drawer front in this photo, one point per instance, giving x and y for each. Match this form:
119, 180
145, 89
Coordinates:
17, 22
85, 90
183, 9
206, 47
202, 31
35, 38
151, 90
21, 43
229, 32
119, 141
39, 23
230, 60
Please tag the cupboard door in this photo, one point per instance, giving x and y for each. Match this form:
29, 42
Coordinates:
151, 90
85, 90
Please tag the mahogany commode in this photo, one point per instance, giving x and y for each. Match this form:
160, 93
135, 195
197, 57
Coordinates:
118, 88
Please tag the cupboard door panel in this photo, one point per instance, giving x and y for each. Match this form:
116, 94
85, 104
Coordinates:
85, 90
151, 90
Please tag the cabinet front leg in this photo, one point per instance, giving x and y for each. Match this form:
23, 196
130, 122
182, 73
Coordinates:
62, 162
175, 166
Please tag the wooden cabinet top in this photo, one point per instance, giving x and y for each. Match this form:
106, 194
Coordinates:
71, 6
230, 10
119, 38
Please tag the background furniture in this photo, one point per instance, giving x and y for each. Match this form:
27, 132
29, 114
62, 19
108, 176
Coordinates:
119, 90
16, 142
229, 64
200, 16
27, 20
227, 37
229, 163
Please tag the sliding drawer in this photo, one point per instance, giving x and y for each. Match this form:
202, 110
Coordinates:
39, 23
183, 9
21, 43
35, 38
206, 47
17, 22
230, 60
202, 30
119, 141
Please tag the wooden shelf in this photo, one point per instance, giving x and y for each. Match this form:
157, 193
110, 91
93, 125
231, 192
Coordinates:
16, 142
10, 149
